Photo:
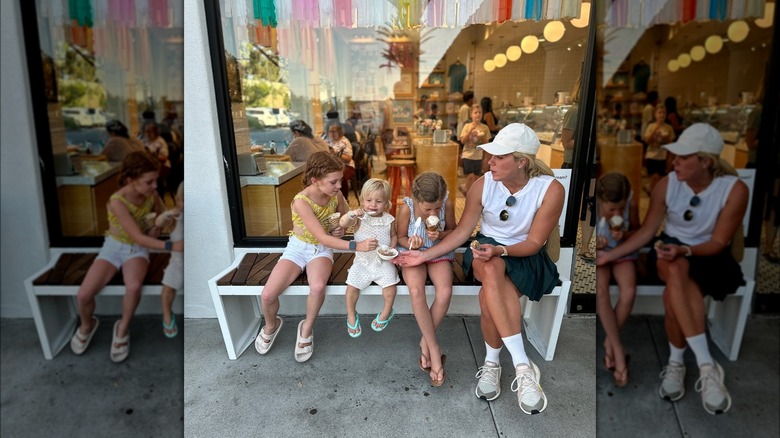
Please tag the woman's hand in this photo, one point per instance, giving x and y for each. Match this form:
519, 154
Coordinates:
669, 251
409, 258
603, 257
486, 252
367, 245
415, 242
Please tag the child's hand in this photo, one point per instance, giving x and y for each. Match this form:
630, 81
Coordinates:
601, 242
165, 218
338, 232
617, 234
358, 213
149, 220
154, 232
432, 235
415, 242
350, 218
